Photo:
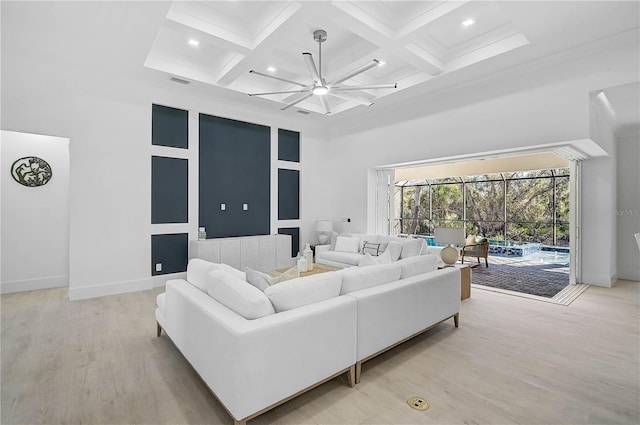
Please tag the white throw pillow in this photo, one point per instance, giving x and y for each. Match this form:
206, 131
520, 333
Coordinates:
239, 274
358, 278
384, 258
332, 243
395, 249
367, 260
238, 295
411, 247
347, 244
417, 265
304, 290
262, 280
198, 271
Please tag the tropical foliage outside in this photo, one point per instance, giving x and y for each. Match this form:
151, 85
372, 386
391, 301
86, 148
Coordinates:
525, 206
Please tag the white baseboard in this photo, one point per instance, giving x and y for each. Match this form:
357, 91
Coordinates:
603, 280
105, 289
629, 273
114, 288
33, 284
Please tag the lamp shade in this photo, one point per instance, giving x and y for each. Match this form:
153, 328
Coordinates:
324, 225
449, 235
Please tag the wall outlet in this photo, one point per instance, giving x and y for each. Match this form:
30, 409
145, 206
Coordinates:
158, 267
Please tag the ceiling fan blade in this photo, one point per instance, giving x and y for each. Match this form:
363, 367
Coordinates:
297, 101
277, 78
352, 74
351, 98
278, 92
325, 104
372, 87
311, 67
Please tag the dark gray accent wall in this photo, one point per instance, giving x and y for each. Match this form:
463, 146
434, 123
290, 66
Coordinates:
288, 145
169, 127
169, 190
288, 194
295, 238
234, 169
172, 251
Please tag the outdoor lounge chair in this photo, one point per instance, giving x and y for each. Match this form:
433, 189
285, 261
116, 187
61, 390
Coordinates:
475, 246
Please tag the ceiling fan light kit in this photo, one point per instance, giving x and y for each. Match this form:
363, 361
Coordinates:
320, 87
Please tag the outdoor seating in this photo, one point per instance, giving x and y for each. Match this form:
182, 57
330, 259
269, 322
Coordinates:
475, 246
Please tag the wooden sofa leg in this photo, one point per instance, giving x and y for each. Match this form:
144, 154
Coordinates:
358, 372
351, 376
456, 319
239, 422
159, 330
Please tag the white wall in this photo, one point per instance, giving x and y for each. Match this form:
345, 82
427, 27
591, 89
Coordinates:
628, 206
548, 105
35, 220
106, 112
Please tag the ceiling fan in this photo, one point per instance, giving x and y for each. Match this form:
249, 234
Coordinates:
320, 87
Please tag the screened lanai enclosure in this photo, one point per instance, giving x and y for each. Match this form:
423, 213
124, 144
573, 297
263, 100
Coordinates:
524, 214
508, 208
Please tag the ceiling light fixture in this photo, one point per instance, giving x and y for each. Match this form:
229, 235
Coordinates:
193, 42
381, 63
320, 90
468, 22
271, 69
320, 87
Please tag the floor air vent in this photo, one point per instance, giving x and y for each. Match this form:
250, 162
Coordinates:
418, 403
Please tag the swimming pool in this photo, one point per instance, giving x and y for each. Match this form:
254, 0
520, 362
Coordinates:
502, 248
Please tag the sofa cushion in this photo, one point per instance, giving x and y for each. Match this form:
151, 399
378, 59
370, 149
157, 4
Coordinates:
384, 258
341, 257
198, 270
395, 249
411, 247
263, 280
237, 295
347, 244
417, 265
334, 238
161, 301
367, 260
304, 290
358, 278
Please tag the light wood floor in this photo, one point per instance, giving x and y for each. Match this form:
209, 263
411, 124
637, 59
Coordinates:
512, 361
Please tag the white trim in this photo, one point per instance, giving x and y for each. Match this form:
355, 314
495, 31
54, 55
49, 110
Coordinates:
34, 284
160, 280
113, 288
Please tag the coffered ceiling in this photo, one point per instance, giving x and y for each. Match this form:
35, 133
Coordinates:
418, 42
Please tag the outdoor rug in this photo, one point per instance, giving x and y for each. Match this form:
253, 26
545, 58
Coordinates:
528, 277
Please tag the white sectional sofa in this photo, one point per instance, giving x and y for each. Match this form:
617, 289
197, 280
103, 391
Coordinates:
257, 349
346, 254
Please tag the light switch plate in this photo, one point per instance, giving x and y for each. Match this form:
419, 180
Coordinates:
223, 207
245, 207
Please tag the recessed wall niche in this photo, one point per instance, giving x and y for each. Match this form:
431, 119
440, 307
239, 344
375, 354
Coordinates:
234, 177
169, 190
169, 127
288, 145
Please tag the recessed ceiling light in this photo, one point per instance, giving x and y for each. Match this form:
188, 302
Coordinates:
468, 22
193, 42
271, 69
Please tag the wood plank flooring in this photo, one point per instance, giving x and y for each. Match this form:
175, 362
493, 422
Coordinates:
512, 361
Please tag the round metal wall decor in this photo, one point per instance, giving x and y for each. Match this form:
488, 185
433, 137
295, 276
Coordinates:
31, 171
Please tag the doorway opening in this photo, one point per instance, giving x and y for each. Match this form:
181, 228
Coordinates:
525, 206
